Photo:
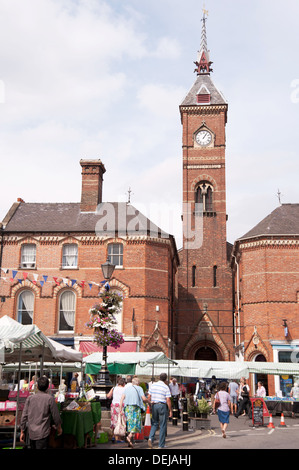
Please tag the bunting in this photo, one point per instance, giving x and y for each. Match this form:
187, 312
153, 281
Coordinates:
42, 279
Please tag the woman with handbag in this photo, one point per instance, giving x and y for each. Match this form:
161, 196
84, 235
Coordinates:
133, 398
244, 403
115, 409
222, 402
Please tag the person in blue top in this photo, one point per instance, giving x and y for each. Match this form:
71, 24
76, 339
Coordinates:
233, 388
133, 398
159, 396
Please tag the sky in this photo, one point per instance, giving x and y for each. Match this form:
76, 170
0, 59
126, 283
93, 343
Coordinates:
104, 79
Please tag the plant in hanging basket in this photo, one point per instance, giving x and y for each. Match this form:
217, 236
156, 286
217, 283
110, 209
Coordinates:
102, 320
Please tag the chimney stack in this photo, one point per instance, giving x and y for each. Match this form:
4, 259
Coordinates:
92, 184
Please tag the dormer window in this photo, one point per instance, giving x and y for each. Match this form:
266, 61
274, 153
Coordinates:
203, 95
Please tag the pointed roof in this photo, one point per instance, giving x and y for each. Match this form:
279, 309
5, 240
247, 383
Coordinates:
203, 91
203, 81
283, 221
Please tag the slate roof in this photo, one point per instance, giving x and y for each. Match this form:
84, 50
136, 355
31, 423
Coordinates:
283, 221
216, 96
66, 217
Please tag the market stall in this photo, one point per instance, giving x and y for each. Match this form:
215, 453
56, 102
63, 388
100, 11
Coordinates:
125, 363
26, 343
221, 369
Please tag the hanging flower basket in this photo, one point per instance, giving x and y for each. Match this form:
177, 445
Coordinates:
102, 320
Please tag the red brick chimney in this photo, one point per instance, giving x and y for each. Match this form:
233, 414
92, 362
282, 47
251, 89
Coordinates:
92, 183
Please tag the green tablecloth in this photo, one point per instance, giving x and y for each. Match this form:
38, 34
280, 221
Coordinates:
80, 423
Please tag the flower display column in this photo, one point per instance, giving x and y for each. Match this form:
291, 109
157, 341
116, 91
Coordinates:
103, 321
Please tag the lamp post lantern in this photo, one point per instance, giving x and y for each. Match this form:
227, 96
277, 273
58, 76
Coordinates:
103, 383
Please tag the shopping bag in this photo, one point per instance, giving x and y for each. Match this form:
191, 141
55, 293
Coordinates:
217, 401
120, 428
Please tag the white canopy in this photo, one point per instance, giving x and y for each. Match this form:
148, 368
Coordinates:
222, 369
34, 344
141, 358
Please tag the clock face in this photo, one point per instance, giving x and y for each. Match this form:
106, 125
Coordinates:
203, 138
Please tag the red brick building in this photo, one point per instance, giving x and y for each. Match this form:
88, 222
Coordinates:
265, 263
51, 256
204, 317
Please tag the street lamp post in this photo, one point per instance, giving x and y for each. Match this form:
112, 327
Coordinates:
103, 383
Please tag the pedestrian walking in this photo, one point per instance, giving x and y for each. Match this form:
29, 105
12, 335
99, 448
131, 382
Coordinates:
161, 404
244, 402
213, 390
116, 394
224, 408
133, 398
175, 393
233, 392
38, 411
295, 395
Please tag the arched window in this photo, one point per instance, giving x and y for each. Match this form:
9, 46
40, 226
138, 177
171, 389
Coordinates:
204, 196
193, 276
25, 307
67, 306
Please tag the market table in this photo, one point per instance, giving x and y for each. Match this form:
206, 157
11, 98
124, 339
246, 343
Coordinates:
80, 423
277, 405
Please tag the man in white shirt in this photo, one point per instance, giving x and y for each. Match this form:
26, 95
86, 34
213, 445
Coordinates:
159, 397
174, 387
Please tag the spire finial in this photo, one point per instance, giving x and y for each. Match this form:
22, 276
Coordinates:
203, 63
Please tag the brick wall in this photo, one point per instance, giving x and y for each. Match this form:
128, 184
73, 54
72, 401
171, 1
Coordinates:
146, 280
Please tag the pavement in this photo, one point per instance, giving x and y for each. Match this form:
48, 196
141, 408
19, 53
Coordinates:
241, 434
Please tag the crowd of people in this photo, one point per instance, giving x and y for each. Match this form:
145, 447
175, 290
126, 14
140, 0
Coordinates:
129, 400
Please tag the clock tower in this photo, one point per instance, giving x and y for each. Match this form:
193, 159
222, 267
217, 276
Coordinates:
204, 317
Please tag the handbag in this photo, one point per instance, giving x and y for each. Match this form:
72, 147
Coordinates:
217, 401
120, 428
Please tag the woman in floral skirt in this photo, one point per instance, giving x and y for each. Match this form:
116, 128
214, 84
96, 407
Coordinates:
133, 398
116, 394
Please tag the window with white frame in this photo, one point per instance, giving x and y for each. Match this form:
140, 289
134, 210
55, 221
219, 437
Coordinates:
115, 254
28, 256
25, 307
67, 306
70, 256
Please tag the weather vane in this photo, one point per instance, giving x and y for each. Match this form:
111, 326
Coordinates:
129, 195
205, 12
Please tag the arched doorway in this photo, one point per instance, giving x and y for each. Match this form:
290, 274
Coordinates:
205, 354
261, 377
